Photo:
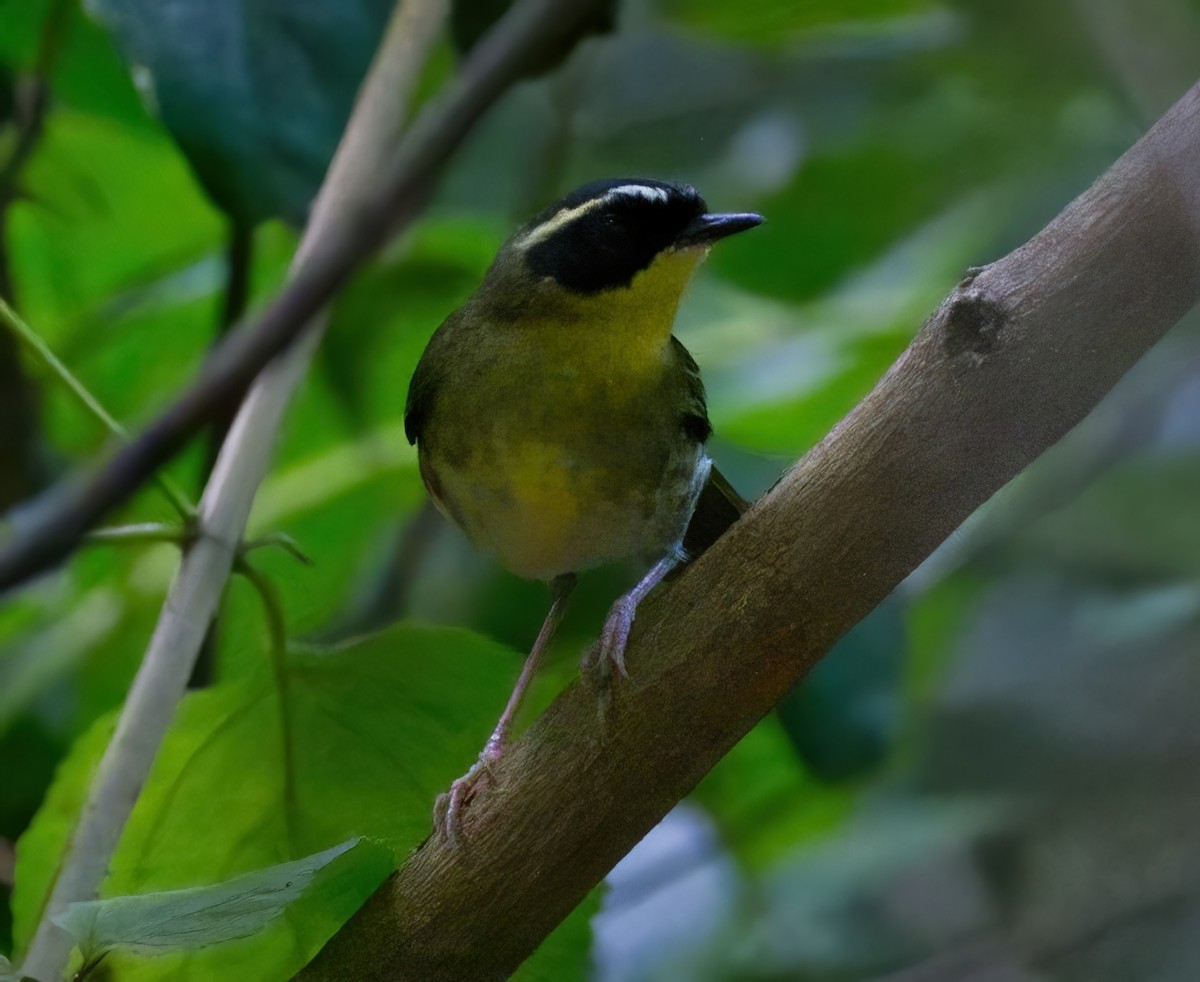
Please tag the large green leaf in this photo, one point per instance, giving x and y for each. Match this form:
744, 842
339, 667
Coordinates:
369, 736
95, 223
563, 956
382, 322
844, 716
194, 917
763, 802
255, 91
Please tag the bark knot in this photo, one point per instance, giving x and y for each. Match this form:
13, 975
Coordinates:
973, 323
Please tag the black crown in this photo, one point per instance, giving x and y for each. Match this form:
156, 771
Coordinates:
604, 247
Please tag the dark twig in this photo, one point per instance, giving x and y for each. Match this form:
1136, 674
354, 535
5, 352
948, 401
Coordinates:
20, 408
239, 258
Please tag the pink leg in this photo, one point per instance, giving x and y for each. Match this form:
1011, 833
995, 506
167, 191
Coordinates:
447, 810
609, 651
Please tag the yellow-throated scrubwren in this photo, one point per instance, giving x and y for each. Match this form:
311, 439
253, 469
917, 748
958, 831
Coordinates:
558, 421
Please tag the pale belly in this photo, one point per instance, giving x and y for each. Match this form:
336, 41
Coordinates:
544, 508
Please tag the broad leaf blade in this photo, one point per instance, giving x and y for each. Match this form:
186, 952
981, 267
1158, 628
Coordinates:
256, 92
173, 920
371, 735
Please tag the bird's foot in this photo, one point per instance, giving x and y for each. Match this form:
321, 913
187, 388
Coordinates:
607, 655
448, 809
606, 658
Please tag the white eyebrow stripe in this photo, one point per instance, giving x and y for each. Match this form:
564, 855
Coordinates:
639, 191
568, 215
562, 219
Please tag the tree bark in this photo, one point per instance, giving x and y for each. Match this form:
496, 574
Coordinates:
1011, 360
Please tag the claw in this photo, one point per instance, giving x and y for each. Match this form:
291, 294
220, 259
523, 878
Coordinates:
447, 809
614, 638
608, 653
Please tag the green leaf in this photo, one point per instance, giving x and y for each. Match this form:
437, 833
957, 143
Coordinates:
101, 190
843, 717
793, 425
763, 802
563, 956
382, 322
360, 745
173, 920
842, 212
40, 848
87, 72
256, 92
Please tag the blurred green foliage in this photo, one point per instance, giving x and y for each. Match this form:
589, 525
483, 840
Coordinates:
255, 92
1044, 657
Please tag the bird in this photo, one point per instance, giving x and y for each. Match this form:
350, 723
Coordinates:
558, 421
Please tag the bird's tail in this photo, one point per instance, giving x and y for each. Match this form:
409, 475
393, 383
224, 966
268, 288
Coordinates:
717, 508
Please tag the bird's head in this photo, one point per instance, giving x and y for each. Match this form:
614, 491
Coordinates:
630, 241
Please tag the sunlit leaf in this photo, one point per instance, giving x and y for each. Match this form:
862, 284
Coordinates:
40, 847
90, 196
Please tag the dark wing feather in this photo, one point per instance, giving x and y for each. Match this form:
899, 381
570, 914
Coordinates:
695, 407
717, 508
426, 380
420, 396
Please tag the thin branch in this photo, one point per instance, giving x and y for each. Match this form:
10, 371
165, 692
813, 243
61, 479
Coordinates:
40, 351
280, 540
344, 226
532, 33
34, 99
239, 262
1010, 362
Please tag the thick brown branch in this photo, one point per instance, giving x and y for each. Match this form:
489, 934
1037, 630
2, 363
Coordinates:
530, 35
1013, 359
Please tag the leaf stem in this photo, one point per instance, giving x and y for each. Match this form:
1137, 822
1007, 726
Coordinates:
277, 630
